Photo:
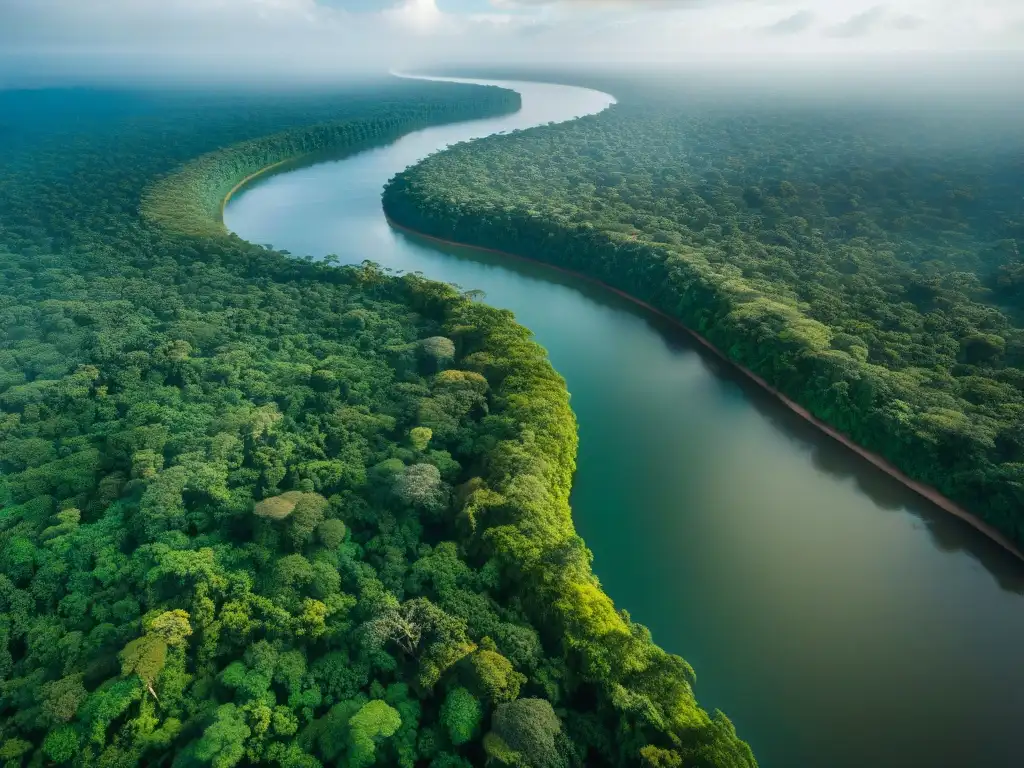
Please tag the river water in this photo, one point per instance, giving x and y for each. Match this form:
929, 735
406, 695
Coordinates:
838, 619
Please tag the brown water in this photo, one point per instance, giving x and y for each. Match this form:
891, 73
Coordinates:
841, 621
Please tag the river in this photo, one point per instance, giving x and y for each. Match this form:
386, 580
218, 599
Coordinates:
840, 620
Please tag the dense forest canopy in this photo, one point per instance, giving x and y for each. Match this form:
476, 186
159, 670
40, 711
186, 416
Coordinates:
863, 257
261, 510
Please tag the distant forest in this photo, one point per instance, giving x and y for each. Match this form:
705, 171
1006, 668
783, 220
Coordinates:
863, 256
260, 510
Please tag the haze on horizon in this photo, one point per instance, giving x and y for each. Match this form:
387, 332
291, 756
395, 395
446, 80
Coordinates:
46, 42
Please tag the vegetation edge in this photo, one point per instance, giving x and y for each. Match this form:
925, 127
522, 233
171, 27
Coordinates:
924, 490
650, 689
191, 199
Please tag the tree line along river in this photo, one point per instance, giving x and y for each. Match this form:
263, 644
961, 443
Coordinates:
839, 619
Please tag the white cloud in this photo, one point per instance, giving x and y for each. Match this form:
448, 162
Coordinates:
418, 16
265, 38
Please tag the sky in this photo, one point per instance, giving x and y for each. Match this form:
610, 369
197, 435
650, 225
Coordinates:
198, 39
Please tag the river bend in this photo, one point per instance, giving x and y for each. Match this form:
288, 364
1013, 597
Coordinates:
840, 620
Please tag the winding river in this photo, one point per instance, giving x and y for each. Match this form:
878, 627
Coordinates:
839, 619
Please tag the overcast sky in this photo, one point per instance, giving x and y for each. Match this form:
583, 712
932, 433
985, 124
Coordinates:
196, 38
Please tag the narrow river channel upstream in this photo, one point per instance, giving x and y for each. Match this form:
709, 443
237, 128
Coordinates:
840, 620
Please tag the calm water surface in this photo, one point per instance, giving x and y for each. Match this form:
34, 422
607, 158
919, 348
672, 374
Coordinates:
840, 621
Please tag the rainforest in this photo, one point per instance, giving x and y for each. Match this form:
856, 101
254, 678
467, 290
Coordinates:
288, 479
265, 510
861, 256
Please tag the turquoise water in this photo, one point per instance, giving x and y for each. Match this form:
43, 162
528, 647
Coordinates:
838, 619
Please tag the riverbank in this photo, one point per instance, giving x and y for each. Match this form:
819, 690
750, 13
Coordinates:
191, 200
536, 398
925, 491
252, 177
812, 574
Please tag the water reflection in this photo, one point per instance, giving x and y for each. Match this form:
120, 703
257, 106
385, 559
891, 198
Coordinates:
838, 618
949, 533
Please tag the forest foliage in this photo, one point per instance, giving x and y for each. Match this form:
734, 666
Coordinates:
262, 510
864, 259
190, 200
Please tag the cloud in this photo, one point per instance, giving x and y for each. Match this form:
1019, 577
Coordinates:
418, 16
621, 4
860, 24
791, 25
908, 21
227, 39
359, 6
325, 39
874, 19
